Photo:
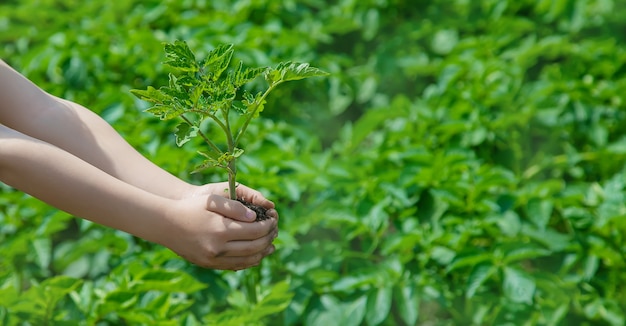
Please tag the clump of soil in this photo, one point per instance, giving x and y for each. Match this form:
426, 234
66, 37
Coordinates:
261, 212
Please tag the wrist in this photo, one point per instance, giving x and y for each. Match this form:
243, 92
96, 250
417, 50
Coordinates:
188, 190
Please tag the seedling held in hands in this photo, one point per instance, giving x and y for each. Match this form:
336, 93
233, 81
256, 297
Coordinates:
208, 89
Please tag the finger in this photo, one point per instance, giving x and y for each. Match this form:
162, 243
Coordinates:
253, 196
230, 208
239, 248
250, 261
272, 213
239, 263
241, 231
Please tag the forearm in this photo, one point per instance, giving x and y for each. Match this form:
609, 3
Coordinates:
73, 128
70, 184
89, 137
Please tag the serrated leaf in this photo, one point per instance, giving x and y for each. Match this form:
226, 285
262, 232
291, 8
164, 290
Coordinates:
248, 98
217, 53
237, 152
241, 76
288, 71
221, 161
208, 163
179, 56
166, 112
184, 133
151, 95
239, 107
217, 61
209, 155
260, 108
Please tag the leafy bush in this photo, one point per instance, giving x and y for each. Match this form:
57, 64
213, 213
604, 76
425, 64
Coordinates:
463, 164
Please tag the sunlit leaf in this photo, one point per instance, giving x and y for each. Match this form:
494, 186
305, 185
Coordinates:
179, 56
518, 285
478, 276
408, 301
185, 132
378, 305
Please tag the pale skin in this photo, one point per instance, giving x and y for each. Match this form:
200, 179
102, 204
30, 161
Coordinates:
65, 155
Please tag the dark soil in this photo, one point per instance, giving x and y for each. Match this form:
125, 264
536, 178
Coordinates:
261, 212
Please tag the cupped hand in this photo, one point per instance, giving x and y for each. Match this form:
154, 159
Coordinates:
209, 232
243, 192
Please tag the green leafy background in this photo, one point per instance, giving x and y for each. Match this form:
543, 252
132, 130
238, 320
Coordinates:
462, 165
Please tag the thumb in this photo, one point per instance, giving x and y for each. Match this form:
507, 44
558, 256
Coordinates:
230, 208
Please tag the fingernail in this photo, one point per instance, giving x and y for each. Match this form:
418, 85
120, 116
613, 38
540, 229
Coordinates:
250, 214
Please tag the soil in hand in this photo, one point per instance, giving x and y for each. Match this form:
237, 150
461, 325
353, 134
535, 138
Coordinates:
261, 212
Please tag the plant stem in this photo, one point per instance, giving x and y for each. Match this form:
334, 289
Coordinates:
206, 139
232, 166
232, 183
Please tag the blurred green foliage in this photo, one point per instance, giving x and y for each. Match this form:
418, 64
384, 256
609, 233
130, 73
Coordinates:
462, 165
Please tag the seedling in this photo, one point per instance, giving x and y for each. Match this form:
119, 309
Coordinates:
207, 89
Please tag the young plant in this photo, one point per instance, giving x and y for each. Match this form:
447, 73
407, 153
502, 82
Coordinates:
208, 89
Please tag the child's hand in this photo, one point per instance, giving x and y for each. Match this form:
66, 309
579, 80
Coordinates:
243, 192
208, 231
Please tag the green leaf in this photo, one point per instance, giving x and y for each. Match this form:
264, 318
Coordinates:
469, 258
552, 239
478, 276
42, 248
167, 281
237, 152
277, 300
350, 283
591, 265
518, 286
151, 95
121, 299
526, 251
378, 305
166, 105
184, 133
539, 212
407, 300
166, 112
179, 56
242, 76
217, 61
287, 71
254, 103
328, 310
510, 223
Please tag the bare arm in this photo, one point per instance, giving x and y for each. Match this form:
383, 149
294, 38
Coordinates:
75, 129
66, 182
67, 156
195, 228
